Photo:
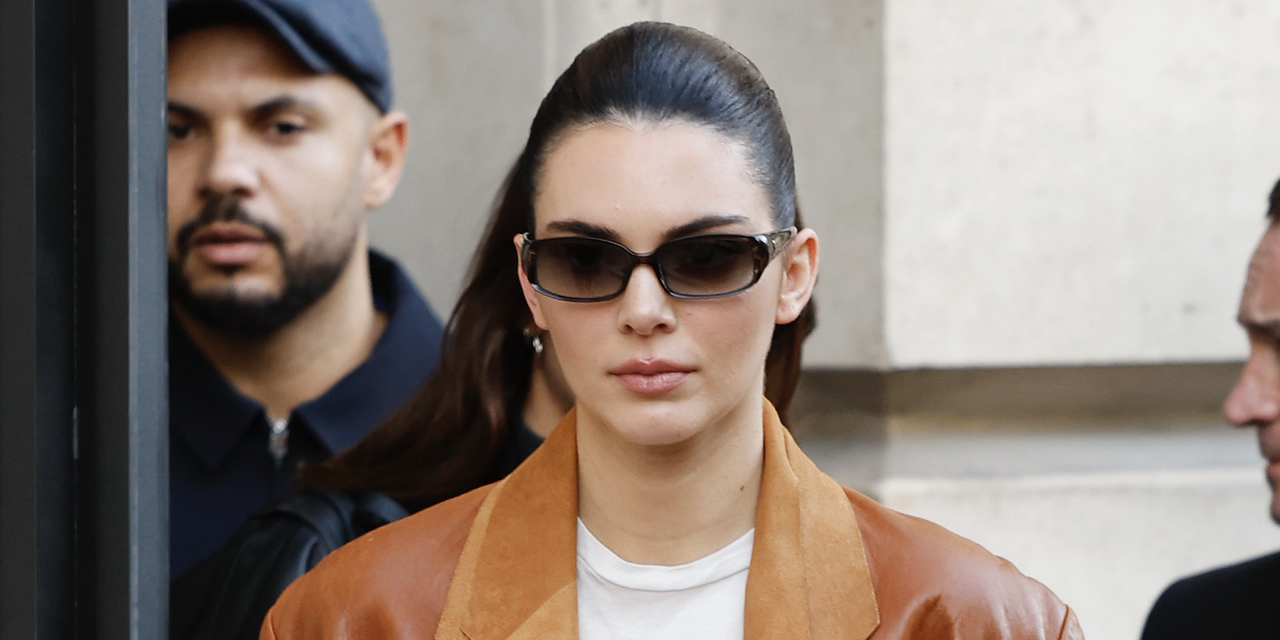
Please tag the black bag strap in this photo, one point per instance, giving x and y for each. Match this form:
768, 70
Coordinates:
226, 595
374, 510
326, 512
339, 518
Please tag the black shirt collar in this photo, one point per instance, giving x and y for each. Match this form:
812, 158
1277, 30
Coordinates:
205, 411
211, 416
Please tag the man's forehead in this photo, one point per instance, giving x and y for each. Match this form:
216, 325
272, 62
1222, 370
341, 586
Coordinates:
237, 67
231, 47
1260, 303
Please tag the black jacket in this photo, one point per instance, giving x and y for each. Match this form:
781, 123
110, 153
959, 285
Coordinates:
1230, 603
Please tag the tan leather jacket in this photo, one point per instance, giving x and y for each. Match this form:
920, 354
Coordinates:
500, 563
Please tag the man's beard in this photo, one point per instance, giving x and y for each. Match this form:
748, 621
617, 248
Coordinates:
308, 276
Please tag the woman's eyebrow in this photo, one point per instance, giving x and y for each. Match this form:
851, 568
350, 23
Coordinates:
580, 228
700, 225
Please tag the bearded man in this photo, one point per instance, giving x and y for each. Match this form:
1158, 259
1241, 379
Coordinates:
289, 339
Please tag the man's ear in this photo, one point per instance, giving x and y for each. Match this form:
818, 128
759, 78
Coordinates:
530, 296
388, 145
799, 274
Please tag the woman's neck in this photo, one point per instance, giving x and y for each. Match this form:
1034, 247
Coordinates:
673, 504
547, 402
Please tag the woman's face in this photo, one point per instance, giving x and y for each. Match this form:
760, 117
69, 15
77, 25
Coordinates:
652, 369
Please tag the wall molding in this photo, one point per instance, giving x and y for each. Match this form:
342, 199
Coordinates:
861, 402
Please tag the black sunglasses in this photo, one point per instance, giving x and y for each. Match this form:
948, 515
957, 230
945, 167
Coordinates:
581, 269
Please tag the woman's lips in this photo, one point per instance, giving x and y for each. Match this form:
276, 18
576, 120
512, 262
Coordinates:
651, 383
651, 376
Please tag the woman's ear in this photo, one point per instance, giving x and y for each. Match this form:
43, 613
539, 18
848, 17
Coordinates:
799, 274
388, 146
530, 296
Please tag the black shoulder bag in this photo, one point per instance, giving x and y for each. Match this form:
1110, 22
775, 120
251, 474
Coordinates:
226, 596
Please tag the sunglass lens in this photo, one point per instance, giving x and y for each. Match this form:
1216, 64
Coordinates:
708, 266
582, 268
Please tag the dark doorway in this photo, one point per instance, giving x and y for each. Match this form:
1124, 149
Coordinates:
83, 406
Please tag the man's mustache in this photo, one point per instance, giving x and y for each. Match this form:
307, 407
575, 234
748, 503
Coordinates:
226, 209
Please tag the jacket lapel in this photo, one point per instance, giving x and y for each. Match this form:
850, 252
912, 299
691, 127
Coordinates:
809, 576
517, 575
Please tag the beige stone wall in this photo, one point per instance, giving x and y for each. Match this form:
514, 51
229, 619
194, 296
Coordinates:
1074, 181
470, 76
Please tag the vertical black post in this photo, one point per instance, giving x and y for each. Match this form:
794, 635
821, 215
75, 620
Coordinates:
83, 397
130, 381
37, 302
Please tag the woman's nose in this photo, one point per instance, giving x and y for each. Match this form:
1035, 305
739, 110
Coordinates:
644, 306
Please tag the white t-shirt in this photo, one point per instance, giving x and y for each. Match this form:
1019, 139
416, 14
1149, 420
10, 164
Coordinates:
703, 599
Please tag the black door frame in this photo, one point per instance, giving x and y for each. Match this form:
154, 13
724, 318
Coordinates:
84, 490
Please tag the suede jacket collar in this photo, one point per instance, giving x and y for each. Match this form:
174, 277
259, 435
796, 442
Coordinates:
499, 563
808, 578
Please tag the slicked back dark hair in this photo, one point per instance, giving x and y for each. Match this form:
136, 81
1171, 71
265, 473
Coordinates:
447, 438
657, 72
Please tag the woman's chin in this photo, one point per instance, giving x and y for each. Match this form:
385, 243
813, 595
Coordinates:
659, 426
658, 436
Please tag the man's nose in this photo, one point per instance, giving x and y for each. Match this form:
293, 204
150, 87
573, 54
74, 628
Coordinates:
1251, 401
231, 168
644, 306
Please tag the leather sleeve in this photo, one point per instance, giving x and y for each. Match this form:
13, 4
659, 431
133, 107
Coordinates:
931, 584
1071, 627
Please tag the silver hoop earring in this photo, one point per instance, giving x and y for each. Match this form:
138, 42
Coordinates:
536, 342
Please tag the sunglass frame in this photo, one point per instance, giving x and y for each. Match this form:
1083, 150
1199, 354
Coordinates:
767, 245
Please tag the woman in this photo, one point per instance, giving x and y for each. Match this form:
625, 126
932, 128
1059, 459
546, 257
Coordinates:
661, 255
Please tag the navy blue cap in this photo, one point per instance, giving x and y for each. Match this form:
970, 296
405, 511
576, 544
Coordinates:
328, 36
